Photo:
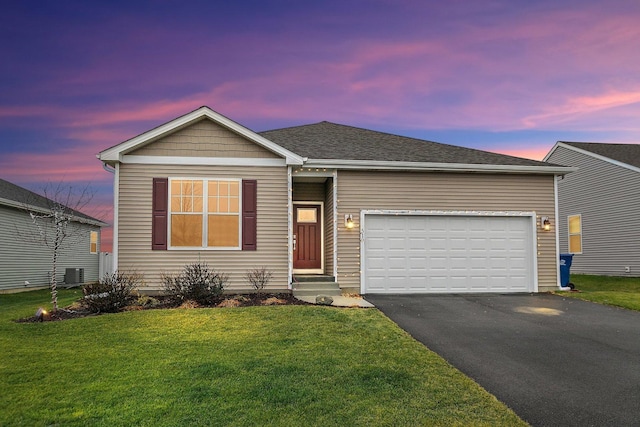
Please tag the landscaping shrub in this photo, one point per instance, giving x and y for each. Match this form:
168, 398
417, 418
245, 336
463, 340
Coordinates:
258, 277
112, 293
196, 282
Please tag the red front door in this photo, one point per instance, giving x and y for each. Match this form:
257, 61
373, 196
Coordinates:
307, 237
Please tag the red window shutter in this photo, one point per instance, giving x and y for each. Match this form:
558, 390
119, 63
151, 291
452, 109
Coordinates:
159, 214
249, 211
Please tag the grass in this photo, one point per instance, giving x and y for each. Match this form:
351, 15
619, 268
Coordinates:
273, 366
619, 291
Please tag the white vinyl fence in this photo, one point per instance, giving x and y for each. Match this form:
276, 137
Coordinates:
106, 264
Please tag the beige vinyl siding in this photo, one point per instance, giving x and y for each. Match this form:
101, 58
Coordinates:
308, 191
328, 227
607, 196
24, 258
359, 191
204, 139
134, 251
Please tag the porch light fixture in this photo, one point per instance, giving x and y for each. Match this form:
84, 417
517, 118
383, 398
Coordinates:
348, 221
545, 223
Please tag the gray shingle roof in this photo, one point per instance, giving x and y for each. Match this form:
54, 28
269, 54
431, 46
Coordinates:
327, 140
625, 153
21, 197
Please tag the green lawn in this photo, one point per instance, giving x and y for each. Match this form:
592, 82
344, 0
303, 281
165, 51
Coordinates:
618, 291
285, 365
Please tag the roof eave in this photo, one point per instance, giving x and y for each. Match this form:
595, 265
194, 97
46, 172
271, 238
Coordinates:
591, 154
437, 167
28, 207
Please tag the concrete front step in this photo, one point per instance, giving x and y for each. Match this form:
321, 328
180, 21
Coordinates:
300, 278
316, 288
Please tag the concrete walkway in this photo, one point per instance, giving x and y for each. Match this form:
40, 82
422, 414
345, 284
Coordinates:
340, 301
555, 361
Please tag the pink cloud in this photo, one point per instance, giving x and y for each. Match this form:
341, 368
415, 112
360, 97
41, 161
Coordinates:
40, 170
534, 152
583, 106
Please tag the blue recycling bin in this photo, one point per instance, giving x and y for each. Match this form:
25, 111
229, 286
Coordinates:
565, 269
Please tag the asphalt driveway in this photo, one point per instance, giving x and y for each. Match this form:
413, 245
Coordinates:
555, 361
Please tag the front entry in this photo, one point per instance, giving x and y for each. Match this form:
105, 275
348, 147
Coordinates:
307, 238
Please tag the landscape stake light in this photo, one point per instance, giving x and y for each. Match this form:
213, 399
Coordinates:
41, 314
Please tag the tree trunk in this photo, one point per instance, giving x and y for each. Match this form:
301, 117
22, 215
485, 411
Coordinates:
54, 288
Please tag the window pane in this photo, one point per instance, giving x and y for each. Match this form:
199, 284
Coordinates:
93, 242
186, 230
197, 204
224, 188
234, 188
234, 205
175, 204
575, 225
175, 188
575, 244
197, 188
187, 205
307, 215
223, 231
186, 188
213, 204
224, 205
213, 188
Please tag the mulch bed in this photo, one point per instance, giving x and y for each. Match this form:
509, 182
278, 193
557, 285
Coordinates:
76, 311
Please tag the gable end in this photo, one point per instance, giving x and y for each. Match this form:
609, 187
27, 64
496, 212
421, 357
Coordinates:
204, 139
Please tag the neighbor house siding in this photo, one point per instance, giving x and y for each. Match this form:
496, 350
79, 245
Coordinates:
359, 191
204, 139
23, 259
134, 244
608, 198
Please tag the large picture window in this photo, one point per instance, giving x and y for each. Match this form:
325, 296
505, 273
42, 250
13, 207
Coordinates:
575, 234
204, 213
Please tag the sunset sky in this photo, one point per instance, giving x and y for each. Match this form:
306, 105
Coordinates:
509, 76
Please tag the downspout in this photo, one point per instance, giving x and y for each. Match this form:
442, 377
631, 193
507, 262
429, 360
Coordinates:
289, 228
108, 169
114, 246
557, 228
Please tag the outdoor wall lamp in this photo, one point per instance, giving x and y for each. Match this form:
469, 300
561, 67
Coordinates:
348, 221
545, 223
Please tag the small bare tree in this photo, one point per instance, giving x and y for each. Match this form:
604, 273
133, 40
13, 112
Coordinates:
258, 277
58, 222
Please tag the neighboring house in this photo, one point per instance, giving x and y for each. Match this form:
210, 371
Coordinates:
26, 263
598, 206
379, 213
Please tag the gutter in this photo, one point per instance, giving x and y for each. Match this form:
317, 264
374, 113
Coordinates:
436, 167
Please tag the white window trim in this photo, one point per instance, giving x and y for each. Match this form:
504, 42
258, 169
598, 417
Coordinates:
204, 214
569, 234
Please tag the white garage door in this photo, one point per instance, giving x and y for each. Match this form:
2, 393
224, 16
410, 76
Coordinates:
447, 254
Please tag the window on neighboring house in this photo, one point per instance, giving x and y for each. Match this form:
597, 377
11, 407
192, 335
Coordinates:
93, 242
204, 213
575, 234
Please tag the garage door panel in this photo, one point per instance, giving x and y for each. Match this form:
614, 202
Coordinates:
440, 253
